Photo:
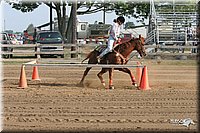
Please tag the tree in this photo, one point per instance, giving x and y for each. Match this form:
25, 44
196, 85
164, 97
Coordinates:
59, 7
138, 10
74, 20
82, 7
61, 15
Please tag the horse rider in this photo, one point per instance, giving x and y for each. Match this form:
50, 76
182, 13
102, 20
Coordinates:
113, 35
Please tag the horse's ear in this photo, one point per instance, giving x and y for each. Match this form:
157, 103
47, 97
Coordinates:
140, 36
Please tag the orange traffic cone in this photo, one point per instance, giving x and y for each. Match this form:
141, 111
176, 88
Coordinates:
144, 83
138, 73
22, 80
35, 75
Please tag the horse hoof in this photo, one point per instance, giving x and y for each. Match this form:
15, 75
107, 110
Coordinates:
104, 85
134, 84
111, 87
80, 85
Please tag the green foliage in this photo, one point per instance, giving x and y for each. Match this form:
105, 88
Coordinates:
138, 10
25, 6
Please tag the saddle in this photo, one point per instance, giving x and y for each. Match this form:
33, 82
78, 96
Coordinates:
100, 48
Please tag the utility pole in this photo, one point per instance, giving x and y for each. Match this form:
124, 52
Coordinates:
50, 16
104, 14
4, 25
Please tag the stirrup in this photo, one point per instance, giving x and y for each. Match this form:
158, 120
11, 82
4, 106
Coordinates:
99, 58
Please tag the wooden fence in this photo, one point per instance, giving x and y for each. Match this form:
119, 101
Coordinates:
80, 50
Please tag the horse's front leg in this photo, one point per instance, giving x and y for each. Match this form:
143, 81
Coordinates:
126, 70
111, 78
84, 75
103, 70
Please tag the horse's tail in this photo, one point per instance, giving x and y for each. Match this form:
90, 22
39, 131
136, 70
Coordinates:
88, 56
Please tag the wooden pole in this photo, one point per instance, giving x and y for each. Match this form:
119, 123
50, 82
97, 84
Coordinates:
51, 16
74, 21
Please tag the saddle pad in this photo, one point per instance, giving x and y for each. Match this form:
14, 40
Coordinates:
100, 48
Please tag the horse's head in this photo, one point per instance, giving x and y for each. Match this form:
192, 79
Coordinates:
139, 45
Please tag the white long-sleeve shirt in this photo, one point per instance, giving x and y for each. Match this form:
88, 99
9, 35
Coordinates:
114, 34
115, 31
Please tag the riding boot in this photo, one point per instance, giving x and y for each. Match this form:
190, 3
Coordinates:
99, 60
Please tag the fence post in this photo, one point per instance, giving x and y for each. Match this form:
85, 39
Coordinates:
186, 50
38, 50
73, 51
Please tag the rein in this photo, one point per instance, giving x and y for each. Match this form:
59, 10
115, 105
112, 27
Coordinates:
133, 54
125, 60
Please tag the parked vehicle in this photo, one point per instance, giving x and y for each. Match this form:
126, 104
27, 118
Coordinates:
5, 39
51, 41
19, 39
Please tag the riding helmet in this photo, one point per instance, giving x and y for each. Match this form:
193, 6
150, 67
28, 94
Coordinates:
121, 19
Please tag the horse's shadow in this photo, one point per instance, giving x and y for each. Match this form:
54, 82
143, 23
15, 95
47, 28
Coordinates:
81, 86
58, 85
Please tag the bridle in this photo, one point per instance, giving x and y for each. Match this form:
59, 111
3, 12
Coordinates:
140, 43
125, 60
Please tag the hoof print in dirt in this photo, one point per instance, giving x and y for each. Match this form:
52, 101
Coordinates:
80, 85
111, 87
131, 87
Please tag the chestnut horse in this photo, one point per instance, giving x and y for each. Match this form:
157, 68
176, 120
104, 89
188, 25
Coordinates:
119, 55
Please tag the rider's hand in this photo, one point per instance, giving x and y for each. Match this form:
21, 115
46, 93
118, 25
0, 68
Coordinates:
119, 40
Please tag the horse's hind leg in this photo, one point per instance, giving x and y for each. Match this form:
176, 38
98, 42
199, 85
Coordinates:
111, 78
84, 75
126, 70
103, 70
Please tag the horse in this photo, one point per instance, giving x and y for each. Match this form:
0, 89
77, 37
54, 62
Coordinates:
119, 55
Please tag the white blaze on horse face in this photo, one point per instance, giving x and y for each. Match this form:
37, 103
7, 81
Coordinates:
104, 84
142, 52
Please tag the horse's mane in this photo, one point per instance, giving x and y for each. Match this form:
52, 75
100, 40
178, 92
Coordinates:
122, 47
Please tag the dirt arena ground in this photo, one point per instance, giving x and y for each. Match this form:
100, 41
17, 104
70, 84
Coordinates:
56, 103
